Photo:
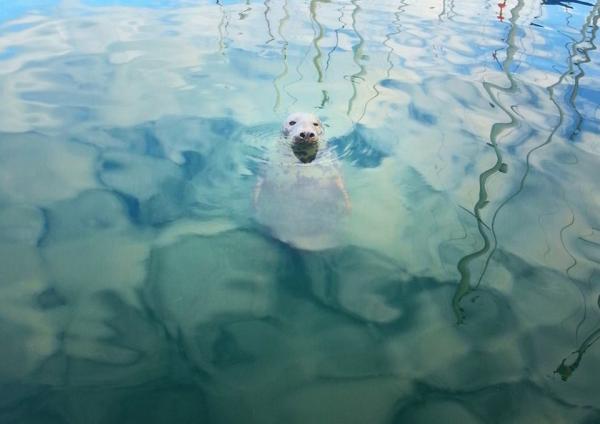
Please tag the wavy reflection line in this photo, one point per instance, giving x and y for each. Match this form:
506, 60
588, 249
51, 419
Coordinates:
397, 26
337, 37
464, 285
447, 11
546, 238
570, 267
268, 21
388, 37
357, 50
223, 28
566, 370
561, 119
568, 19
300, 76
299, 72
450, 240
443, 12
324, 99
284, 47
244, 13
593, 21
581, 48
318, 36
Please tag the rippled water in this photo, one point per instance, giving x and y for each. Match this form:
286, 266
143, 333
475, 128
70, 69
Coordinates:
139, 282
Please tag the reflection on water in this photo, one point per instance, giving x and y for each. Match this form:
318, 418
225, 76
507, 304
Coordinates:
139, 282
565, 370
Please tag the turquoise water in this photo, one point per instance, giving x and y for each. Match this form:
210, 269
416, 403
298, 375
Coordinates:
140, 282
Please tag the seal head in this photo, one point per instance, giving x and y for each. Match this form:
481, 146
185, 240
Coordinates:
302, 127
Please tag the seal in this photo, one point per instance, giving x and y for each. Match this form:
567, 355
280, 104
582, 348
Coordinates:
300, 195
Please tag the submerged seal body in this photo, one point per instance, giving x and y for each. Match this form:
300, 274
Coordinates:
300, 196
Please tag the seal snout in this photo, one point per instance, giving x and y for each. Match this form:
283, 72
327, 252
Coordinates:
306, 136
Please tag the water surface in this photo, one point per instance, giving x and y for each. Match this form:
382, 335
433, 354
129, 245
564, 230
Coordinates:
136, 284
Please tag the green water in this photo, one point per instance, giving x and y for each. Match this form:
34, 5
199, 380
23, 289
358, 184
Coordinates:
140, 283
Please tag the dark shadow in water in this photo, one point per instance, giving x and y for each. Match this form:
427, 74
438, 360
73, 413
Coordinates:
359, 147
133, 391
474, 405
204, 164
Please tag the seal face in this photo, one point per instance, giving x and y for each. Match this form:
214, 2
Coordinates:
300, 196
302, 127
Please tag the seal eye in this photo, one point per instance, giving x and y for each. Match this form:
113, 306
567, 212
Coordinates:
316, 124
292, 122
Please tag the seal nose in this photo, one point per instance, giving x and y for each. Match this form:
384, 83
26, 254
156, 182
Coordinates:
307, 135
